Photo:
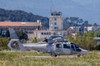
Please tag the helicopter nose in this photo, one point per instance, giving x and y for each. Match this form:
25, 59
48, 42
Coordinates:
84, 51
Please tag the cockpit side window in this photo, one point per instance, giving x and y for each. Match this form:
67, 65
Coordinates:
58, 46
66, 46
73, 47
76, 46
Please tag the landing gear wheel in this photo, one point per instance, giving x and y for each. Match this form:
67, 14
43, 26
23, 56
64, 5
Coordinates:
78, 55
53, 54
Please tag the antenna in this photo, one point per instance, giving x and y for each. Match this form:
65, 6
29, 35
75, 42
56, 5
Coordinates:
51, 6
50, 10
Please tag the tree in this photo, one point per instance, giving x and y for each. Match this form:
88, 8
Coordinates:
80, 20
95, 24
74, 19
85, 23
35, 40
7, 33
86, 41
71, 21
67, 23
97, 34
22, 35
3, 43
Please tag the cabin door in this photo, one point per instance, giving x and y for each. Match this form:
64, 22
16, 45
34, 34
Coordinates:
73, 49
66, 49
58, 48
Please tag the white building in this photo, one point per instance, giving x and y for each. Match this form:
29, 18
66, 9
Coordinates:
27, 27
89, 28
47, 33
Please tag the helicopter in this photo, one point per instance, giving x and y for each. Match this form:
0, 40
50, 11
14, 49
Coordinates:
54, 45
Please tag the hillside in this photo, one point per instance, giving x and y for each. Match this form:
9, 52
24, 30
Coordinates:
19, 15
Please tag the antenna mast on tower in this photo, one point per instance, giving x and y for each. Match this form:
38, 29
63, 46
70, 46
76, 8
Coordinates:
51, 6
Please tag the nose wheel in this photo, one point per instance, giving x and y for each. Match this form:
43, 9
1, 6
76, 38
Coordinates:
53, 54
79, 55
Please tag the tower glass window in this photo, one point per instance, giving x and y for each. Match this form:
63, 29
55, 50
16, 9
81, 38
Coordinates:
55, 23
56, 28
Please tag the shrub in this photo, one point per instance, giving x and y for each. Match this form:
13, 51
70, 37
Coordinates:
97, 34
86, 41
3, 43
23, 41
35, 40
22, 35
97, 47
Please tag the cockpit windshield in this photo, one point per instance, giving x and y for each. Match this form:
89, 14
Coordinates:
76, 46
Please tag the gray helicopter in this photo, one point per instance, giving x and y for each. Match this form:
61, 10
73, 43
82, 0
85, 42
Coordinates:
55, 45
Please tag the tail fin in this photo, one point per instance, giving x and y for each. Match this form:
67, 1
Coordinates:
15, 43
13, 34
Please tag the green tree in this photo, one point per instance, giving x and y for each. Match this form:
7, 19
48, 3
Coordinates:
85, 41
22, 35
23, 41
3, 43
7, 33
95, 24
85, 23
35, 40
70, 38
97, 34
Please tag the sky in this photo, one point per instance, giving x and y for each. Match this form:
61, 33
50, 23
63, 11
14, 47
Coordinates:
86, 9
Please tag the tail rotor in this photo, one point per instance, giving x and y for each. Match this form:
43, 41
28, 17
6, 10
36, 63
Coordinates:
15, 43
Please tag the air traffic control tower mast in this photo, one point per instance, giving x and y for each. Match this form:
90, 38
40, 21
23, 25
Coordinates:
56, 21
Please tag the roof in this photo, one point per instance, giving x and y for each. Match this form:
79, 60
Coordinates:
9, 23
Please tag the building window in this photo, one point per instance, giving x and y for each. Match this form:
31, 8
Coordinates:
55, 19
49, 33
55, 23
42, 33
56, 28
45, 33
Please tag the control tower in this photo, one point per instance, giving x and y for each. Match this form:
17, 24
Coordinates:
56, 20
